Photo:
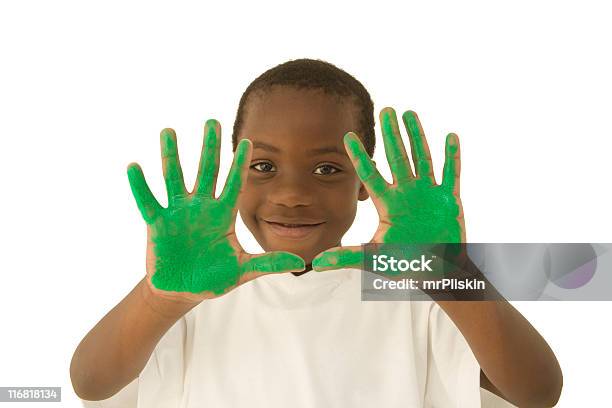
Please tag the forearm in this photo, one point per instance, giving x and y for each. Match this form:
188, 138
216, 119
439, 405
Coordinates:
116, 350
511, 353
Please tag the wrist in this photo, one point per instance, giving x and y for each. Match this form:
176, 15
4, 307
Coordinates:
167, 306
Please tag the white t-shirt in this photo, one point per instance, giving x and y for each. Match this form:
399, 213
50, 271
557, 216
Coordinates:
307, 341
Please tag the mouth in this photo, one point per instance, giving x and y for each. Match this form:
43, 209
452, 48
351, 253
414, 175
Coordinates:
287, 230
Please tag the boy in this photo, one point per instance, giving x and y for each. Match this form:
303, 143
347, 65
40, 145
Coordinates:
300, 339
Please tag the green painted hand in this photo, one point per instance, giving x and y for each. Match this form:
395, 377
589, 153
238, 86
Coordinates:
192, 247
412, 210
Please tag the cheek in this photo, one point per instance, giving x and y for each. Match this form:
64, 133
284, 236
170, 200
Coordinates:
247, 203
342, 206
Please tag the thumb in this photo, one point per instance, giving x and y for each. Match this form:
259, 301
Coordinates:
338, 258
273, 262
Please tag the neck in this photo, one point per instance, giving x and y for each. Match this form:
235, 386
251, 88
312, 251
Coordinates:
308, 268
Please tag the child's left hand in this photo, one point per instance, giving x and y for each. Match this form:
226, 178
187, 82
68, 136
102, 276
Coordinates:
412, 210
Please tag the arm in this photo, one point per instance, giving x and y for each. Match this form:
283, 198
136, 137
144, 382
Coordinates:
116, 350
417, 210
193, 254
516, 362
487, 385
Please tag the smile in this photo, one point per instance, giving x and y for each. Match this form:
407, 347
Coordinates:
291, 230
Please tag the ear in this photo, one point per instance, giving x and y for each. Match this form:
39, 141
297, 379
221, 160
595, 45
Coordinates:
363, 193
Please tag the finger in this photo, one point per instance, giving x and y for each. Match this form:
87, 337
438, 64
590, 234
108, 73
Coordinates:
365, 168
339, 258
175, 185
236, 180
206, 180
394, 146
145, 200
452, 164
274, 262
421, 156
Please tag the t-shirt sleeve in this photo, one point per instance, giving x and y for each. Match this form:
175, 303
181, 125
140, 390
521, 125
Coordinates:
126, 398
490, 400
160, 384
453, 373
162, 379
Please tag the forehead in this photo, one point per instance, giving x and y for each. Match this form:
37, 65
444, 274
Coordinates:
298, 119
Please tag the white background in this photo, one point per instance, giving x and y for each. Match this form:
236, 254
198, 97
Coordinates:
86, 88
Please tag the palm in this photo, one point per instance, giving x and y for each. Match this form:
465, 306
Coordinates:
192, 252
418, 213
412, 210
192, 246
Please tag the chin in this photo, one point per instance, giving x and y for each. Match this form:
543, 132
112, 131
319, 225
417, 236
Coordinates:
307, 247
306, 254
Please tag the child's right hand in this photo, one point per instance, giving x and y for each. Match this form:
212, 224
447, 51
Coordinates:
192, 250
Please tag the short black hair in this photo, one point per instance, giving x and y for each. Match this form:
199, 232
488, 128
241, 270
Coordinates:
317, 75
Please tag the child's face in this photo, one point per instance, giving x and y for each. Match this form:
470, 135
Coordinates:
289, 182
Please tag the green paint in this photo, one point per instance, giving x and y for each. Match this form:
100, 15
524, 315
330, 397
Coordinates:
334, 258
414, 209
192, 238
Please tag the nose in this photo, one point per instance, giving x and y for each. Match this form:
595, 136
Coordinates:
291, 190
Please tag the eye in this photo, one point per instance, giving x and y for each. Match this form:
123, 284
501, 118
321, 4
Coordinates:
328, 170
266, 167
